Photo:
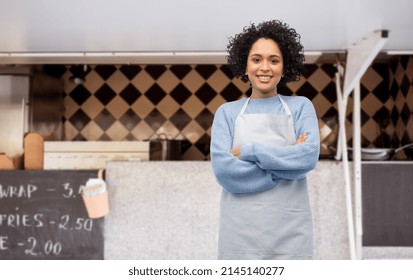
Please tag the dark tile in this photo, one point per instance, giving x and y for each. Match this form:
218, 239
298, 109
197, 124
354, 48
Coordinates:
104, 137
180, 70
130, 137
155, 94
329, 69
382, 91
203, 144
130, 94
285, 90
80, 70
404, 61
180, 94
307, 90
185, 145
405, 86
155, 119
205, 70
130, 119
309, 70
394, 89
393, 65
382, 117
363, 92
205, 119
382, 69
330, 92
54, 70
231, 92
225, 69
180, 119
130, 71
395, 142
104, 119
364, 117
395, 115
79, 119
383, 140
105, 71
205, 93
80, 94
406, 139
105, 94
155, 70
79, 137
405, 114
248, 92
330, 118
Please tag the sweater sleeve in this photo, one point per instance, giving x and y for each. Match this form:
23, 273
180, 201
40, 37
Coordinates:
290, 162
233, 174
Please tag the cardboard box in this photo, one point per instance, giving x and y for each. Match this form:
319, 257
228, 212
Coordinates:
33, 151
10, 163
6, 162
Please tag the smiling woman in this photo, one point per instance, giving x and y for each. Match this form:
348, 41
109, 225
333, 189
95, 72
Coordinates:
262, 148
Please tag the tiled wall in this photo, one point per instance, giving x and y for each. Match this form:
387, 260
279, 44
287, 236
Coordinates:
401, 89
140, 102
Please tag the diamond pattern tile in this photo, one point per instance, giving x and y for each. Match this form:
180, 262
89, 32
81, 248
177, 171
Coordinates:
231, 92
203, 144
79, 119
330, 93
307, 90
180, 71
80, 94
155, 119
105, 94
205, 119
180, 93
155, 70
105, 71
205, 93
180, 119
104, 119
329, 69
155, 94
382, 117
130, 71
206, 71
227, 71
130, 94
134, 102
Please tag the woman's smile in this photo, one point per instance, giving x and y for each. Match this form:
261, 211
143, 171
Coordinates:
264, 68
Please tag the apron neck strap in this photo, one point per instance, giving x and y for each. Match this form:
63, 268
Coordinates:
244, 106
286, 108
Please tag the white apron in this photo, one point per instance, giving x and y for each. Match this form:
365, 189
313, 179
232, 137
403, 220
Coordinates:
273, 224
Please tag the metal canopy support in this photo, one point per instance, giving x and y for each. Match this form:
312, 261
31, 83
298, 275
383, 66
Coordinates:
359, 58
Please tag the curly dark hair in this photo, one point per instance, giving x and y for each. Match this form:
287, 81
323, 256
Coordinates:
287, 39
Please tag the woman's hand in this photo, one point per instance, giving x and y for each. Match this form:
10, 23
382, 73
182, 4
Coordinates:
301, 139
236, 152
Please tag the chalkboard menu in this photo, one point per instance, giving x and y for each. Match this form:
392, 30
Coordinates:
42, 216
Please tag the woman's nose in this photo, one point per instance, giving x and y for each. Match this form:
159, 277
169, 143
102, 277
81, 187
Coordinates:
264, 65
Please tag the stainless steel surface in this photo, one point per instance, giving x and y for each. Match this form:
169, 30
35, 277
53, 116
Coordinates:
46, 106
14, 95
165, 149
379, 153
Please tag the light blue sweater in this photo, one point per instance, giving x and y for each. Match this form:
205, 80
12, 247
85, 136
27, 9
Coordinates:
261, 167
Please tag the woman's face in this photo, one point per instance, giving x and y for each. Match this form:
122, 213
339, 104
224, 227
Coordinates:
264, 67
